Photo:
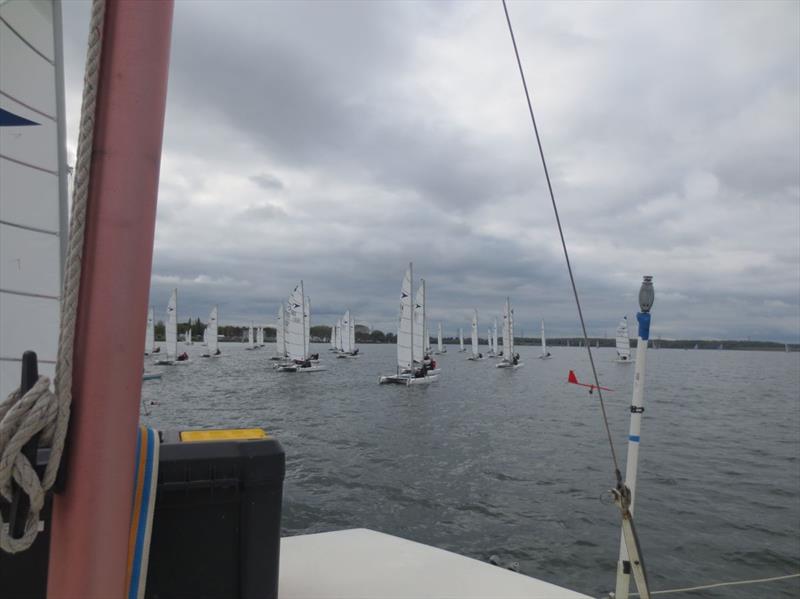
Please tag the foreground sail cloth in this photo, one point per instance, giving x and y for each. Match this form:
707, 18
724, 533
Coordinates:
144, 495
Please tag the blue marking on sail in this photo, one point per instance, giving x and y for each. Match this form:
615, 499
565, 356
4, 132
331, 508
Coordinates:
9, 119
634, 438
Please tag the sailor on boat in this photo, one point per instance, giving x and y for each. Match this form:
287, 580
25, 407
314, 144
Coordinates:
183, 357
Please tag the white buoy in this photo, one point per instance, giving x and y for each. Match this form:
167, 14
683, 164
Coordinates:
646, 297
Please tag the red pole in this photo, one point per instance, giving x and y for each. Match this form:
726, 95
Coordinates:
91, 519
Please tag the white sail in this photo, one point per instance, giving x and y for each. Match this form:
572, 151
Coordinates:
419, 323
187, 336
296, 326
405, 325
508, 330
250, 340
280, 332
346, 344
475, 333
212, 330
339, 335
150, 334
623, 342
333, 337
352, 334
494, 337
307, 324
260, 336
172, 326
33, 186
205, 335
439, 346
544, 342
461, 339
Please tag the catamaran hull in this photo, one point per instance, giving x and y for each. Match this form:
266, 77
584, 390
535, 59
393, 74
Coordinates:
621, 361
347, 356
297, 369
150, 376
508, 365
545, 357
402, 379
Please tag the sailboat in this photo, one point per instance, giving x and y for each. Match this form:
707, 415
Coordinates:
171, 327
510, 358
476, 355
545, 354
211, 335
497, 351
334, 341
422, 349
150, 334
250, 338
298, 312
280, 335
348, 334
461, 347
440, 348
407, 371
260, 337
623, 342
187, 336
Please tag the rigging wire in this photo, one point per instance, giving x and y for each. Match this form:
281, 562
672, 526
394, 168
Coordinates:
617, 472
721, 584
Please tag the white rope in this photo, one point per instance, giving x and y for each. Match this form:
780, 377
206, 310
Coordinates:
40, 410
720, 584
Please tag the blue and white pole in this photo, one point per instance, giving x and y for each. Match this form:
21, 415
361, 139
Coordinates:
646, 297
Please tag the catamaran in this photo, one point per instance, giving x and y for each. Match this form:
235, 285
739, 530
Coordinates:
260, 337
545, 354
150, 334
171, 327
408, 373
510, 357
334, 338
251, 342
461, 347
211, 335
298, 316
440, 348
422, 341
187, 336
348, 337
495, 349
280, 335
623, 342
476, 355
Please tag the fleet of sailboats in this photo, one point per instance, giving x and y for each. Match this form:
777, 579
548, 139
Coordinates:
346, 337
297, 333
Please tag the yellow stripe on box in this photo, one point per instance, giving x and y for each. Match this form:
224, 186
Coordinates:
229, 434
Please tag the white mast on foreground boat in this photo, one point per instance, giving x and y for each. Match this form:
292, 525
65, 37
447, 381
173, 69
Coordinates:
646, 298
545, 354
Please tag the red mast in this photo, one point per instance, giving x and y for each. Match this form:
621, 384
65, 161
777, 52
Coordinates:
91, 519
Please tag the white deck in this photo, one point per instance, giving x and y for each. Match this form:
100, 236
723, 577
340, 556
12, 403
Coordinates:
363, 564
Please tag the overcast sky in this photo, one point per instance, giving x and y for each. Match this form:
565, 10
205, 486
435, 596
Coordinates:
335, 142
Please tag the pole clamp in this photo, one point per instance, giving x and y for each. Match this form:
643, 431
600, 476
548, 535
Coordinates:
637, 409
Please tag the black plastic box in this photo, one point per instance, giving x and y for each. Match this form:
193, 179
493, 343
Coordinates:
216, 524
217, 519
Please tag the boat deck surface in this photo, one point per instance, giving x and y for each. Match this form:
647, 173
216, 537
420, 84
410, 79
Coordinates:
364, 564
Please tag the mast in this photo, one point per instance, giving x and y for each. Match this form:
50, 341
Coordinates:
425, 339
411, 312
544, 343
646, 297
303, 312
91, 519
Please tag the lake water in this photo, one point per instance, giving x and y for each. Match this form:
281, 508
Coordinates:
516, 463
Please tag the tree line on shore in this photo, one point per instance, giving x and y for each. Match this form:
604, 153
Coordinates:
322, 333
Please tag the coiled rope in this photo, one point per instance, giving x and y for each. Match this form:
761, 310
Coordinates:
40, 410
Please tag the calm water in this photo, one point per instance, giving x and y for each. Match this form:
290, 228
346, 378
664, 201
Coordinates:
515, 463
